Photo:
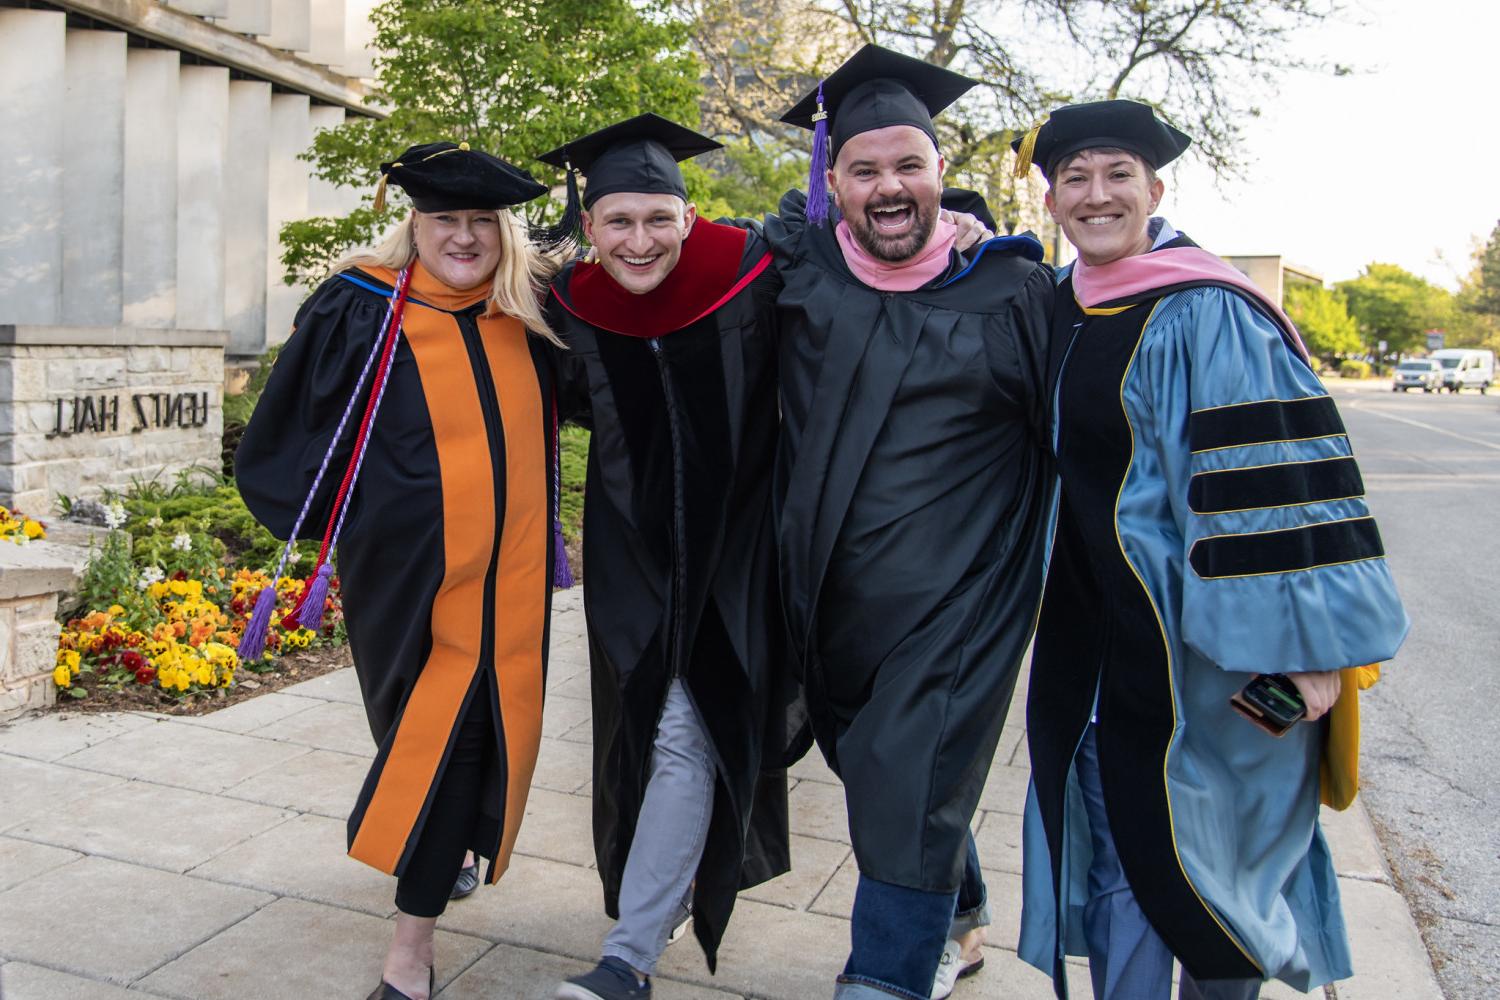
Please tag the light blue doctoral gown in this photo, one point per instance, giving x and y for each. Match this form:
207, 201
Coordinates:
1242, 807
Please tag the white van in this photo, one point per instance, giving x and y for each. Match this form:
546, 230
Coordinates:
1466, 368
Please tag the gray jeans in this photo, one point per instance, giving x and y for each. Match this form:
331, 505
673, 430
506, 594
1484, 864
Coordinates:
656, 889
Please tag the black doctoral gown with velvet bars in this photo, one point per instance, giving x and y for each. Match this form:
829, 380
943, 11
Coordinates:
445, 558
912, 488
679, 386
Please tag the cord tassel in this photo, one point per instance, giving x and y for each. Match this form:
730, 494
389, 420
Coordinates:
310, 615
817, 171
253, 642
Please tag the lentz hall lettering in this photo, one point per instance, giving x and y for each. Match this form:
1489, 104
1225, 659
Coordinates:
144, 411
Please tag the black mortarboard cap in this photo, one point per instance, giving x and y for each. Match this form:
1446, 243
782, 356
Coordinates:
874, 88
877, 88
449, 177
639, 154
971, 202
1120, 124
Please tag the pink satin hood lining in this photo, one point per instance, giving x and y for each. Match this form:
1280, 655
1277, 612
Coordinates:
1130, 276
907, 275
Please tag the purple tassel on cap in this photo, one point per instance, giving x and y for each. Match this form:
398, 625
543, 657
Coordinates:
311, 613
817, 176
562, 574
253, 640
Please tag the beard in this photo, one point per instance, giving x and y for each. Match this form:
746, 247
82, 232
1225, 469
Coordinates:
893, 249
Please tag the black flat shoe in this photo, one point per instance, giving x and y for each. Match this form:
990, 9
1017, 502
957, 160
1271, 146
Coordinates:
385, 991
468, 881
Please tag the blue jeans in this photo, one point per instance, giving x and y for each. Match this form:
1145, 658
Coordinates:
1127, 959
898, 934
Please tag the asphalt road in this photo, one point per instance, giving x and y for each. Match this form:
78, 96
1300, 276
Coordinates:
1431, 465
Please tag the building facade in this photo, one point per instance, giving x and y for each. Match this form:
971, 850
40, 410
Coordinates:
151, 157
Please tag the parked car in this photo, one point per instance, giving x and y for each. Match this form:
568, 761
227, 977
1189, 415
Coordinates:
1466, 368
1418, 373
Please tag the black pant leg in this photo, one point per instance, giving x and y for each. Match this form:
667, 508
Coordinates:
427, 881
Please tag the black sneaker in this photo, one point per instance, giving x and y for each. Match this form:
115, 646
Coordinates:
612, 979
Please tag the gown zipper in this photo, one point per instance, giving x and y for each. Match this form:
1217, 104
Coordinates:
679, 544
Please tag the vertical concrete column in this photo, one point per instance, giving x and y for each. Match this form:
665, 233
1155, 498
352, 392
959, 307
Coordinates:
248, 17
202, 143
327, 44
149, 240
32, 78
359, 39
94, 184
291, 25
291, 134
324, 198
246, 208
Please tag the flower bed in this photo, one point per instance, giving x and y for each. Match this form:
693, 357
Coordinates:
166, 597
18, 528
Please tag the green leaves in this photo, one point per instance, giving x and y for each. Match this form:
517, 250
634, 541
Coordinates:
512, 78
1394, 305
1322, 315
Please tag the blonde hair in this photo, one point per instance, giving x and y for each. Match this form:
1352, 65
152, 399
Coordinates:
521, 278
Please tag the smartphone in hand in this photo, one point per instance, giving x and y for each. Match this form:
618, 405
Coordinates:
1270, 701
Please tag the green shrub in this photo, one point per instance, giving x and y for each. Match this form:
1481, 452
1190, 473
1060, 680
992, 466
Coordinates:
1351, 368
575, 454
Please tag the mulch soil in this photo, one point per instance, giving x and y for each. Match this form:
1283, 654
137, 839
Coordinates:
293, 668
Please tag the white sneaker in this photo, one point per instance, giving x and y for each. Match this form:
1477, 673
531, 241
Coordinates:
680, 931
952, 968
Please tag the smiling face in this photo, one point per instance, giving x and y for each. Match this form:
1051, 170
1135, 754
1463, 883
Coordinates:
1103, 199
638, 236
888, 183
460, 248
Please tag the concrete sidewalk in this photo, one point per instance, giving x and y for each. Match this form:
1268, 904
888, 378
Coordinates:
204, 858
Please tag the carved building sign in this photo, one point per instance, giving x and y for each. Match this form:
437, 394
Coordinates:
140, 411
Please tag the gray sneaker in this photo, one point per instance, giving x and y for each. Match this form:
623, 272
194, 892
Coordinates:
611, 979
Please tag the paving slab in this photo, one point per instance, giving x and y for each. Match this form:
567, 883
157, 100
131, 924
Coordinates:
812, 767
20, 981
1389, 956
539, 904
523, 974
1005, 789
21, 860
577, 685
34, 789
113, 921
319, 781
152, 825
770, 953
305, 858
814, 862
563, 766
252, 713
338, 685
998, 840
558, 826
837, 897
332, 725
172, 753
54, 736
1005, 975
818, 811
561, 716
293, 948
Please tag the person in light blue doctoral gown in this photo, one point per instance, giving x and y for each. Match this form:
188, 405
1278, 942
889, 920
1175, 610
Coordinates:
1211, 526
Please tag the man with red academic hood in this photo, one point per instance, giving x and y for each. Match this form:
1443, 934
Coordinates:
672, 361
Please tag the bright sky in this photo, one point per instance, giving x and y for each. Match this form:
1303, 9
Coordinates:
1400, 163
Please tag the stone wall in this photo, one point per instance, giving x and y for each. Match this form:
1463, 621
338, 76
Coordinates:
88, 407
31, 577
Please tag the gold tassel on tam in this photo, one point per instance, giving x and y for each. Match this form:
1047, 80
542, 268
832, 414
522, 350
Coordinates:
1028, 147
379, 205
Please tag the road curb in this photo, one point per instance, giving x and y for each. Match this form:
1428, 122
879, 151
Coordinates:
1390, 957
